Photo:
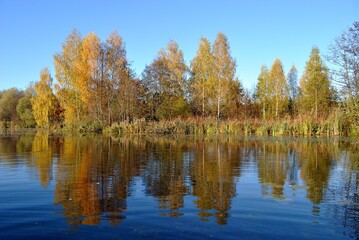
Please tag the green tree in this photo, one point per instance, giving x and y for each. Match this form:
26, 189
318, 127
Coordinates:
315, 89
233, 104
24, 108
43, 98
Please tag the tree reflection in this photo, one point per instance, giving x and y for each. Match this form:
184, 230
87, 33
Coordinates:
316, 160
93, 179
42, 156
165, 174
213, 179
95, 175
346, 191
273, 166
15, 148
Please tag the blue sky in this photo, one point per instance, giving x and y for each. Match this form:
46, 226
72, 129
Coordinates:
259, 30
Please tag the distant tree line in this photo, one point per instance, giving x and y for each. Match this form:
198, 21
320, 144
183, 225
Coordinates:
97, 85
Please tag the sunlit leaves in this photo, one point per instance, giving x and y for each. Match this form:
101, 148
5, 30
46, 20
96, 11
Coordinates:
278, 88
262, 90
272, 91
315, 89
166, 82
202, 77
43, 98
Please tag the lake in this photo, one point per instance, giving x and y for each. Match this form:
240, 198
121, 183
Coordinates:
97, 187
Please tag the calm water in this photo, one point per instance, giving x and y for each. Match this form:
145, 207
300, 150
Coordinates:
93, 187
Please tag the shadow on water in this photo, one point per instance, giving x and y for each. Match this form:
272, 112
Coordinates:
95, 175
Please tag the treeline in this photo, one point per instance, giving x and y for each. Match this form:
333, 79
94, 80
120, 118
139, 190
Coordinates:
97, 89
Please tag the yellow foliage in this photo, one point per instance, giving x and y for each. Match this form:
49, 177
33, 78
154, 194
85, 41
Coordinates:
42, 101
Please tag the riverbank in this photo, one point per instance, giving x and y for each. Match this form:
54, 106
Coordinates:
334, 125
208, 126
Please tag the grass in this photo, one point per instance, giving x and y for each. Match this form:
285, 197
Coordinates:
336, 124
333, 125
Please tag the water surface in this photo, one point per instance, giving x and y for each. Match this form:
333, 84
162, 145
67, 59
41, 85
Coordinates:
96, 187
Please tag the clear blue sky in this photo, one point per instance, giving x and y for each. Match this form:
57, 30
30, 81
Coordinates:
258, 30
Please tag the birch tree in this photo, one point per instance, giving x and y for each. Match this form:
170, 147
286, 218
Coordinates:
42, 101
279, 91
224, 69
263, 90
202, 69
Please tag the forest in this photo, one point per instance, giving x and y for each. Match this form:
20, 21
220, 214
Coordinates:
98, 91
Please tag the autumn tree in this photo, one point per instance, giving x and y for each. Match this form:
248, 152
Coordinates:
67, 75
96, 83
119, 76
8, 101
166, 82
263, 94
315, 92
202, 69
344, 55
292, 80
88, 82
224, 69
278, 89
43, 98
125, 92
152, 78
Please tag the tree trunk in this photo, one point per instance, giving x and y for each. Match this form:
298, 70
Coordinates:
264, 111
218, 99
316, 103
218, 108
203, 100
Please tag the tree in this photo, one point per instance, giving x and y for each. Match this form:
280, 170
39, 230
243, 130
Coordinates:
344, 55
224, 68
118, 73
151, 79
292, 80
166, 83
43, 98
233, 104
24, 108
87, 82
67, 75
315, 86
278, 87
202, 77
263, 90
8, 102
130, 102
96, 83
